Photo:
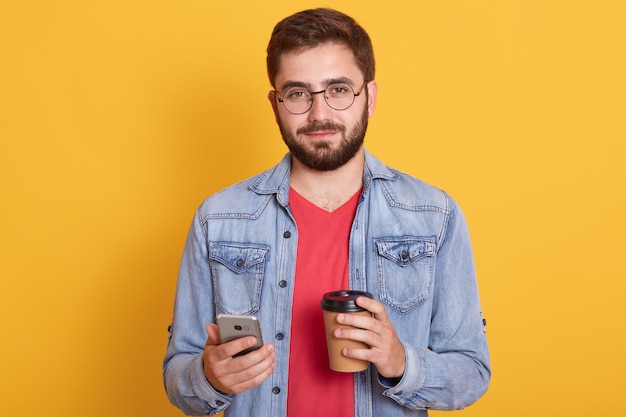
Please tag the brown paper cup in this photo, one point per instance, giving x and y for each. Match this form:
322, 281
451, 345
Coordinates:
338, 362
332, 304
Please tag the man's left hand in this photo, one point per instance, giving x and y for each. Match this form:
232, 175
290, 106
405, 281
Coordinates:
385, 349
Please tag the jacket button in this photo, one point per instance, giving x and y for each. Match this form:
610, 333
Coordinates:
405, 255
287, 234
240, 263
282, 284
275, 390
219, 403
279, 336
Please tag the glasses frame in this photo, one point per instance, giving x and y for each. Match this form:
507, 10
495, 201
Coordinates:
312, 93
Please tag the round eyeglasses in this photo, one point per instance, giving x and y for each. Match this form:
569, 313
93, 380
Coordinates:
338, 96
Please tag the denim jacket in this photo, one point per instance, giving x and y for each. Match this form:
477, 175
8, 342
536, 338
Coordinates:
409, 247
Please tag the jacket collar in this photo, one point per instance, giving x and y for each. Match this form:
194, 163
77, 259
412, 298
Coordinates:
276, 179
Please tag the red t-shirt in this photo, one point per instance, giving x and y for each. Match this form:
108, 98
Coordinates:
321, 266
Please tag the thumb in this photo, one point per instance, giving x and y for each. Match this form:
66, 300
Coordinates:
213, 335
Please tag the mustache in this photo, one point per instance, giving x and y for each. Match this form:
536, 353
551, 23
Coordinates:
317, 127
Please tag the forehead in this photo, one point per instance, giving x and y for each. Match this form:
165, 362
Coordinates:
314, 66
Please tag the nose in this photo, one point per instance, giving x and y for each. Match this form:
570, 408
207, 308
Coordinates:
319, 108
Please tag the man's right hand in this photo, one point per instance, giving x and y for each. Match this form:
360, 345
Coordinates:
234, 375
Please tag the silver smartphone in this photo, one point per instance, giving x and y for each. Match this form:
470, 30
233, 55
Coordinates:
234, 326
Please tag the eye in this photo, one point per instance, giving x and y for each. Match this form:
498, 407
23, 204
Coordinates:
339, 90
296, 94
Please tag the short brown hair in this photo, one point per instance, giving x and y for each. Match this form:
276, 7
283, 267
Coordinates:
310, 28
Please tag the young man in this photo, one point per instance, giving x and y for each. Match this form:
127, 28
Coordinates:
329, 216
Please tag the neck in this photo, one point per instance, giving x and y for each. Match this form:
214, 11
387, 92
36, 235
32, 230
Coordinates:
328, 190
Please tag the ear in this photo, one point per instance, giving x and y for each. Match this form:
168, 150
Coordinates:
271, 96
372, 94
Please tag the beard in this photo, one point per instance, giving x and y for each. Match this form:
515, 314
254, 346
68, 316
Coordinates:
321, 156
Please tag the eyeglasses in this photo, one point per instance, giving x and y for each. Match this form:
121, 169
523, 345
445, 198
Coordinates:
338, 96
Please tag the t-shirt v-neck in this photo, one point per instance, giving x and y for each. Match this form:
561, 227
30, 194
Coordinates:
301, 204
321, 266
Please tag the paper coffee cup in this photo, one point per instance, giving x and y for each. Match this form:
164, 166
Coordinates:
333, 303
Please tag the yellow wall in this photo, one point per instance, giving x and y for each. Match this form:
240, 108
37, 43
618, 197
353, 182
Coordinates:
118, 117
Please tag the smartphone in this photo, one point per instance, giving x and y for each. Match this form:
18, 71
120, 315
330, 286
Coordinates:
234, 326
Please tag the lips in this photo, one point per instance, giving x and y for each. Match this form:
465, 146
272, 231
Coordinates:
327, 129
321, 133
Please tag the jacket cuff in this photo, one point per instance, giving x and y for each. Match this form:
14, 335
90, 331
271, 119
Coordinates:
216, 400
402, 390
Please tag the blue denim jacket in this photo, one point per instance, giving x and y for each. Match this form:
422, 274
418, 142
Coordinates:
409, 247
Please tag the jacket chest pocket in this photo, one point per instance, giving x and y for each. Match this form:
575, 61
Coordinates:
405, 267
237, 271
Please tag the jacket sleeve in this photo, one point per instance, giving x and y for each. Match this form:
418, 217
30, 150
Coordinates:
454, 371
183, 373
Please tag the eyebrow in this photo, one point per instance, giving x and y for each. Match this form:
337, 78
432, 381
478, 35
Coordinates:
325, 83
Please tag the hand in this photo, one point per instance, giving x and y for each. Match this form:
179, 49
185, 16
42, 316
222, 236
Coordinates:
234, 375
385, 349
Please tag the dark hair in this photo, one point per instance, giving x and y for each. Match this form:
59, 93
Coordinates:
310, 28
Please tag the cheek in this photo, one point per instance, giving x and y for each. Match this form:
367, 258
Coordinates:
287, 122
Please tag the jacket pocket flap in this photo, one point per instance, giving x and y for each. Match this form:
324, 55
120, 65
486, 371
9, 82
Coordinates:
238, 257
405, 250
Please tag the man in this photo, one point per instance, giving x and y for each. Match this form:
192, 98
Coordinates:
329, 216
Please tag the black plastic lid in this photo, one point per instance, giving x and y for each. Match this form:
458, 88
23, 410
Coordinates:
343, 301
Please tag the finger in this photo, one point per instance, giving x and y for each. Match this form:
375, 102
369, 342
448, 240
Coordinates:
253, 362
358, 353
242, 373
373, 307
356, 320
254, 375
213, 335
368, 337
238, 345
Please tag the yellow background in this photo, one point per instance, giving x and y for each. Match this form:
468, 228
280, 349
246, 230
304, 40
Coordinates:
118, 117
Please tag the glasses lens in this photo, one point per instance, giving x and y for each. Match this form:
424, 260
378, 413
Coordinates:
339, 96
297, 100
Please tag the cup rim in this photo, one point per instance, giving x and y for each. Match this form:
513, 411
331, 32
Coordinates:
343, 301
